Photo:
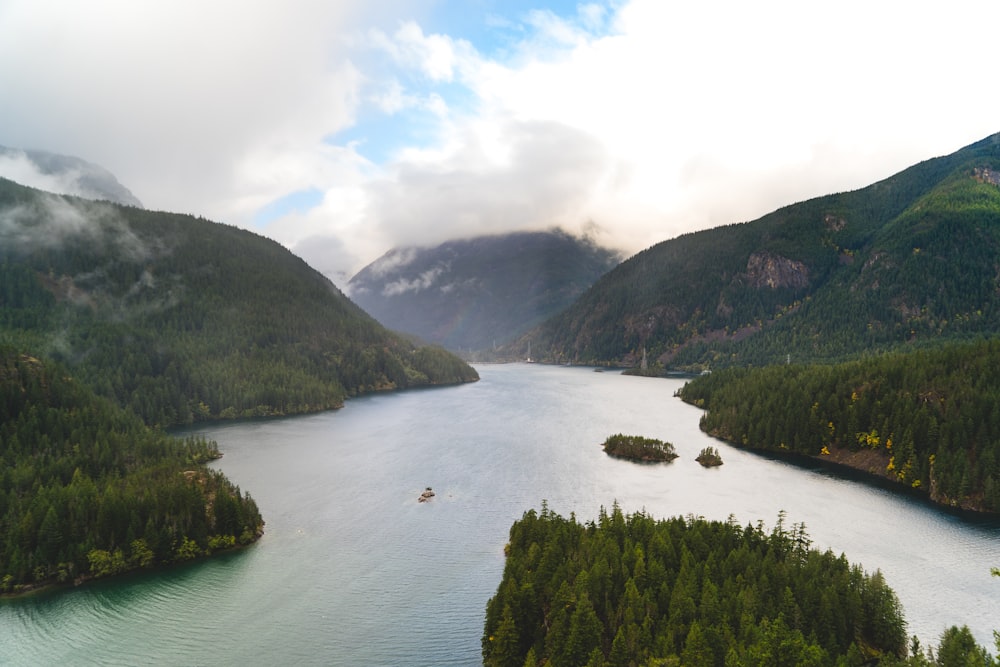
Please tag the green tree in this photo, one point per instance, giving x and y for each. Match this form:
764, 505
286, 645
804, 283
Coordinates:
958, 648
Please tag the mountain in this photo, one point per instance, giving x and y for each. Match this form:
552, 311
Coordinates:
474, 293
909, 261
182, 319
63, 174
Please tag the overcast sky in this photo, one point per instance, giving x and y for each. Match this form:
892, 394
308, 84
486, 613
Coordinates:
342, 129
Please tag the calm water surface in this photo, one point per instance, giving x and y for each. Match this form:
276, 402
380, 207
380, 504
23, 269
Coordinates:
353, 570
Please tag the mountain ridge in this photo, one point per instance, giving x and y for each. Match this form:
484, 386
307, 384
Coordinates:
183, 319
757, 291
475, 293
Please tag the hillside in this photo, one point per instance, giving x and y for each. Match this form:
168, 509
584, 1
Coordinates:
925, 421
474, 293
182, 319
912, 259
87, 490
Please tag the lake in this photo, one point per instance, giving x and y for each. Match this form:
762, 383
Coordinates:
352, 570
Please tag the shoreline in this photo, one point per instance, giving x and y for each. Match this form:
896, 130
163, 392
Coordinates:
32, 590
858, 469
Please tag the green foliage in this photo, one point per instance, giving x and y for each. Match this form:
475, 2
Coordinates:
927, 420
87, 490
958, 648
181, 319
639, 448
682, 591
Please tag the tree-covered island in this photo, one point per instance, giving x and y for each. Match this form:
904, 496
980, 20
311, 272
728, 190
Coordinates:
709, 457
639, 448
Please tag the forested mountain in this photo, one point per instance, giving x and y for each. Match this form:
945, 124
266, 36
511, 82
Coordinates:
631, 590
913, 259
87, 490
926, 420
181, 319
63, 174
475, 293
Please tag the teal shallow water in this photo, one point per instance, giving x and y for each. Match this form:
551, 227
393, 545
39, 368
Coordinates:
353, 570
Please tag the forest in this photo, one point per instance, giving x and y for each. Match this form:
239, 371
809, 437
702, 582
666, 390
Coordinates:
927, 420
116, 323
87, 490
181, 319
632, 590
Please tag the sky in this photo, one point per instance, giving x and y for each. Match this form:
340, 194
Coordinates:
344, 129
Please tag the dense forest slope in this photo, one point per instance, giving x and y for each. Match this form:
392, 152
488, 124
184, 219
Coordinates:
87, 490
180, 318
912, 259
927, 420
474, 293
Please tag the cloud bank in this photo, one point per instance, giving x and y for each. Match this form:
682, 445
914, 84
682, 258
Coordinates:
636, 119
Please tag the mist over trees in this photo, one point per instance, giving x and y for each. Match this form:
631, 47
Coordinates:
115, 322
181, 319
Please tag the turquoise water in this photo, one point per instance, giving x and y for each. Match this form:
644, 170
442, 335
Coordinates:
353, 570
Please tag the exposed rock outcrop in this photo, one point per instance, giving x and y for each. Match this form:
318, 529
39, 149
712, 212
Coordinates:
765, 269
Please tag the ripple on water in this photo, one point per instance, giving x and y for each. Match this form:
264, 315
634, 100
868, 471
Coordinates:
353, 571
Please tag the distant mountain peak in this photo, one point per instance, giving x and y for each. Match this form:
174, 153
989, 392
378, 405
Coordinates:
64, 175
472, 293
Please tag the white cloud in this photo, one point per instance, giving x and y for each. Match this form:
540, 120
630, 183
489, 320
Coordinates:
435, 56
16, 166
179, 99
425, 280
51, 220
642, 117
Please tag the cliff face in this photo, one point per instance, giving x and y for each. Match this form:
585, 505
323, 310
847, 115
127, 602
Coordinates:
987, 175
765, 269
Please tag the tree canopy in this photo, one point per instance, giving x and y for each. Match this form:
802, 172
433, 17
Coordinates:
87, 490
632, 590
181, 319
927, 420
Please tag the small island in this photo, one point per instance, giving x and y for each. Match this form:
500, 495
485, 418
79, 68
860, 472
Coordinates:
638, 448
709, 457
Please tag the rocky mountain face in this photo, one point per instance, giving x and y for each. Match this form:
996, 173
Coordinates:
911, 260
474, 294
